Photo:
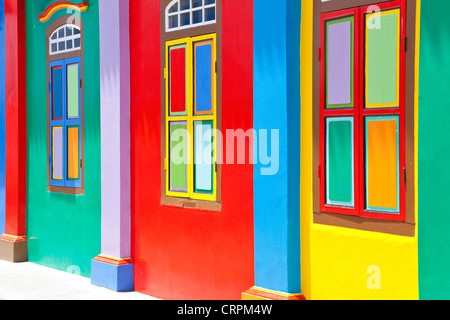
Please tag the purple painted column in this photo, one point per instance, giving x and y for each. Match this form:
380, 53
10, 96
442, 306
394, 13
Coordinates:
113, 268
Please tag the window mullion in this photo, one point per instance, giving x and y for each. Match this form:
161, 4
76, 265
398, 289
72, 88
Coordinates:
359, 106
64, 122
190, 118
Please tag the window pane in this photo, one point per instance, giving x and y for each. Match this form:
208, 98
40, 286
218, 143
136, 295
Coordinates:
73, 91
77, 43
73, 162
76, 31
55, 36
185, 19
69, 44
62, 45
197, 16
57, 93
203, 78
203, 157
68, 32
339, 68
340, 162
382, 164
173, 22
177, 78
174, 8
196, 3
57, 153
185, 4
54, 47
178, 156
61, 33
210, 14
209, 2
382, 59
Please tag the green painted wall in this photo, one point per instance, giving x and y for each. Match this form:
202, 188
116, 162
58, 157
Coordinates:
63, 230
434, 151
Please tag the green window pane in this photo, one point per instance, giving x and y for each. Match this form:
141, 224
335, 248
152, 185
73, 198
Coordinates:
382, 59
178, 156
339, 162
73, 100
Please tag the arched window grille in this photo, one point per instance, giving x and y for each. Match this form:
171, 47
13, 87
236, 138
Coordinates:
66, 38
183, 14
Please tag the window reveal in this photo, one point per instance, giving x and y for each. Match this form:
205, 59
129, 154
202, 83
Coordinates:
362, 112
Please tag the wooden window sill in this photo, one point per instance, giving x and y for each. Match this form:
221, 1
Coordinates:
366, 224
66, 190
191, 204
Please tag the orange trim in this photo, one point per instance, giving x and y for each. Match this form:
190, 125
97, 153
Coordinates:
258, 294
12, 238
60, 5
113, 261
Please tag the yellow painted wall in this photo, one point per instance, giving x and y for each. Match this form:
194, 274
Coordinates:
341, 263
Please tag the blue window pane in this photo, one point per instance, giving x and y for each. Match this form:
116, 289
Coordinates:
69, 44
196, 3
174, 8
61, 33
210, 14
185, 4
207, 2
185, 19
77, 43
54, 47
68, 32
197, 16
173, 22
61, 46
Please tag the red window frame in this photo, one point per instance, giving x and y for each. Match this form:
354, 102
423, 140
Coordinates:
359, 112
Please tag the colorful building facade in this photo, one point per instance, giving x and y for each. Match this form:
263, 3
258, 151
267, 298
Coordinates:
222, 149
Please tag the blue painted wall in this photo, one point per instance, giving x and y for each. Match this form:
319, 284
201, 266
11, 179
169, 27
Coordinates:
277, 106
2, 117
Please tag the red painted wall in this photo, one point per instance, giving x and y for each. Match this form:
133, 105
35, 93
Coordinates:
183, 253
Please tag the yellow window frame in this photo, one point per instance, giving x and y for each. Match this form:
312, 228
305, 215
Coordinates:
190, 118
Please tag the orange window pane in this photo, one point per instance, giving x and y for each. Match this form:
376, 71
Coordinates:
382, 164
73, 166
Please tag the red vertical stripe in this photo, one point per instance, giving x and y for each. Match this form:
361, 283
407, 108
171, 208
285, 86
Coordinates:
178, 80
16, 153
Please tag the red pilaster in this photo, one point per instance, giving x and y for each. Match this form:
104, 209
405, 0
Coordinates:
16, 128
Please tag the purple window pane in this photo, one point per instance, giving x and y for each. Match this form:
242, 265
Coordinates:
339, 63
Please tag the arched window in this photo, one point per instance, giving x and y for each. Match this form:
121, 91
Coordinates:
65, 109
191, 41
66, 38
183, 14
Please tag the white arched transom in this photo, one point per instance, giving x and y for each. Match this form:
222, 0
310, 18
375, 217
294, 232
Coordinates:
183, 14
66, 38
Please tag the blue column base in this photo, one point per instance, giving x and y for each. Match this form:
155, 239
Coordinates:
115, 277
